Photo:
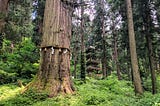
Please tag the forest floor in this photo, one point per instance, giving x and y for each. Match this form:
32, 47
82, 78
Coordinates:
108, 92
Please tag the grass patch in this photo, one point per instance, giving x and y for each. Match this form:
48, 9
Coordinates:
8, 91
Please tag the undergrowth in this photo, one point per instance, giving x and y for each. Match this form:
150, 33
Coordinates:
107, 92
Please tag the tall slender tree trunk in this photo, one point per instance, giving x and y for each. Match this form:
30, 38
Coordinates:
104, 58
116, 56
83, 68
75, 67
148, 24
132, 44
54, 73
76, 50
151, 62
3, 13
75, 60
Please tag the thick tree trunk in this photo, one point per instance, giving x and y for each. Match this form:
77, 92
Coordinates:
83, 65
54, 73
132, 44
3, 13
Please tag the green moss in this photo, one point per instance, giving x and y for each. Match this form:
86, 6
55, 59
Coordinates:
8, 91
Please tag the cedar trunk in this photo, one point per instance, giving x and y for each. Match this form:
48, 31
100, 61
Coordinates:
54, 73
83, 68
3, 13
75, 60
136, 74
75, 68
151, 62
103, 59
116, 55
148, 24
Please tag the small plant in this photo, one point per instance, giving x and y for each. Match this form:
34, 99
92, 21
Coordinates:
94, 100
35, 96
7, 77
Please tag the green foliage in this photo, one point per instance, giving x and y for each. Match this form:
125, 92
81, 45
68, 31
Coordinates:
8, 91
2, 15
107, 92
147, 83
149, 100
77, 69
26, 99
158, 83
21, 60
19, 22
35, 96
7, 77
38, 9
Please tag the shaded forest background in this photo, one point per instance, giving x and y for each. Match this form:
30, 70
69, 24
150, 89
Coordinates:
101, 67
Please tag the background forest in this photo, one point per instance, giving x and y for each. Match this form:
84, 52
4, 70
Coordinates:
103, 68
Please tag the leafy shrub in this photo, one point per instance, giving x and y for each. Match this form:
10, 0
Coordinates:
149, 100
94, 100
19, 101
7, 77
27, 99
22, 61
35, 96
